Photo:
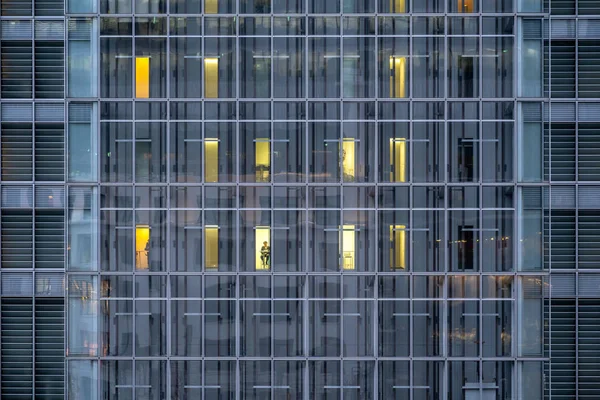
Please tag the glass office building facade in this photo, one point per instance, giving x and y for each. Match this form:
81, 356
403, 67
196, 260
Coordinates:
299, 199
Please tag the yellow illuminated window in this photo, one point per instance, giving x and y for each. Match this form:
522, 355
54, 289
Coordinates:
142, 246
398, 159
211, 246
349, 159
348, 246
263, 160
262, 236
211, 77
397, 77
397, 246
398, 6
211, 160
211, 6
465, 6
142, 77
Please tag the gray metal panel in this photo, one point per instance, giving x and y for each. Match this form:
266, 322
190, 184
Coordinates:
17, 112
532, 28
588, 28
16, 30
589, 112
49, 30
17, 196
80, 29
50, 112
80, 113
562, 29
589, 197
562, 285
50, 284
562, 197
50, 196
562, 112
532, 112
589, 285
17, 284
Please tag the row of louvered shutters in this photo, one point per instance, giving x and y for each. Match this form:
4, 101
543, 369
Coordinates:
570, 7
32, 349
32, 151
573, 345
25, 8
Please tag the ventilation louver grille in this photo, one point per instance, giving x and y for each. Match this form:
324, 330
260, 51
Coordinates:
49, 349
17, 77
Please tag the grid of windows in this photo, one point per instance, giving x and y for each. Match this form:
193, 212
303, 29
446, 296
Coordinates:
304, 199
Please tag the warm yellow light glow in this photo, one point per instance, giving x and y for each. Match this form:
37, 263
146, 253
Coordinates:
398, 6
465, 6
348, 246
397, 77
211, 160
263, 159
398, 159
142, 236
142, 77
348, 159
211, 246
397, 247
211, 77
262, 234
211, 6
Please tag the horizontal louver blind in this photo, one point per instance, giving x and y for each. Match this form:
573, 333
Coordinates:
49, 8
49, 349
562, 7
49, 152
563, 348
49, 239
17, 239
562, 29
589, 240
588, 7
17, 151
16, 8
17, 196
49, 69
562, 154
589, 73
589, 152
17, 349
562, 78
589, 348
562, 241
17, 76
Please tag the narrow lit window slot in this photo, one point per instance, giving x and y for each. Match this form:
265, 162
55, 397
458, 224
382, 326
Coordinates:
397, 247
349, 159
211, 77
262, 239
262, 160
465, 6
397, 77
142, 246
398, 6
348, 247
211, 160
398, 159
211, 247
211, 6
142, 77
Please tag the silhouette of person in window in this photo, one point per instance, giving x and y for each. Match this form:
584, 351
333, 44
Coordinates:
265, 254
